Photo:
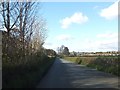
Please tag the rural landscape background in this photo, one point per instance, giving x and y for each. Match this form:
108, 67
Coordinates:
37, 38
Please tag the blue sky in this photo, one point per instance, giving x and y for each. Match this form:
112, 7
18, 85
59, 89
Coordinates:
81, 26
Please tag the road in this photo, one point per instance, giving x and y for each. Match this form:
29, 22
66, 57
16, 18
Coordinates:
65, 74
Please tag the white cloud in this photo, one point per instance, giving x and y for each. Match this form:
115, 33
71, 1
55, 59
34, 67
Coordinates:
64, 37
110, 12
77, 18
108, 35
107, 41
101, 45
110, 41
96, 7
49, 45
103, 42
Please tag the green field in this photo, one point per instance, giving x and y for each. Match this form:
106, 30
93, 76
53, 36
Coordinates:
109, 64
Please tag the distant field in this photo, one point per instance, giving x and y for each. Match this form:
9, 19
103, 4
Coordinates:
109, 64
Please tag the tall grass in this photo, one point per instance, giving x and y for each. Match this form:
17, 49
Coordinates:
25, 73
103, 63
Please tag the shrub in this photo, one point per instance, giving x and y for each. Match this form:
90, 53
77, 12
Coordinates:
25, 73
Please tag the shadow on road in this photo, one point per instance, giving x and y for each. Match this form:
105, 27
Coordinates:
84, 77
65, 74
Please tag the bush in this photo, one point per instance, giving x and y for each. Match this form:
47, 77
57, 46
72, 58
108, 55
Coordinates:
25, 73
78, 60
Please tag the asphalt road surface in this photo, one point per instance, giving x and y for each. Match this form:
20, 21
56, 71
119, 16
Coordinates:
65, 74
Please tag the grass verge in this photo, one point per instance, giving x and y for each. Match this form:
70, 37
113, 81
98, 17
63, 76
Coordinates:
25, 75
107, 64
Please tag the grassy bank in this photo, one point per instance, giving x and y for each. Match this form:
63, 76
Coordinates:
107, 64
25, 73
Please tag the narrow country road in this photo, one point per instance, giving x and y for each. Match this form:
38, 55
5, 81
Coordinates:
65, 74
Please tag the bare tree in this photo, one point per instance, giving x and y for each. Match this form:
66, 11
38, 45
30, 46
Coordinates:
22, 41
20, 21
39, 34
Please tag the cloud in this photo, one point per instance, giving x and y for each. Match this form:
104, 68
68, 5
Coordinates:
101, 45
110, 40
108, 45
108, 35
77, 18
49, 45
103, 42
64, 37
107, 41
96, 7
110, 12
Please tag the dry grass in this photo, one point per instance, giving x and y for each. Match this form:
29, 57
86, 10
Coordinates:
109, 64
20, 74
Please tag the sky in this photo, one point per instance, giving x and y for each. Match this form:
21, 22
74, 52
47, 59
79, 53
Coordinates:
81, 26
